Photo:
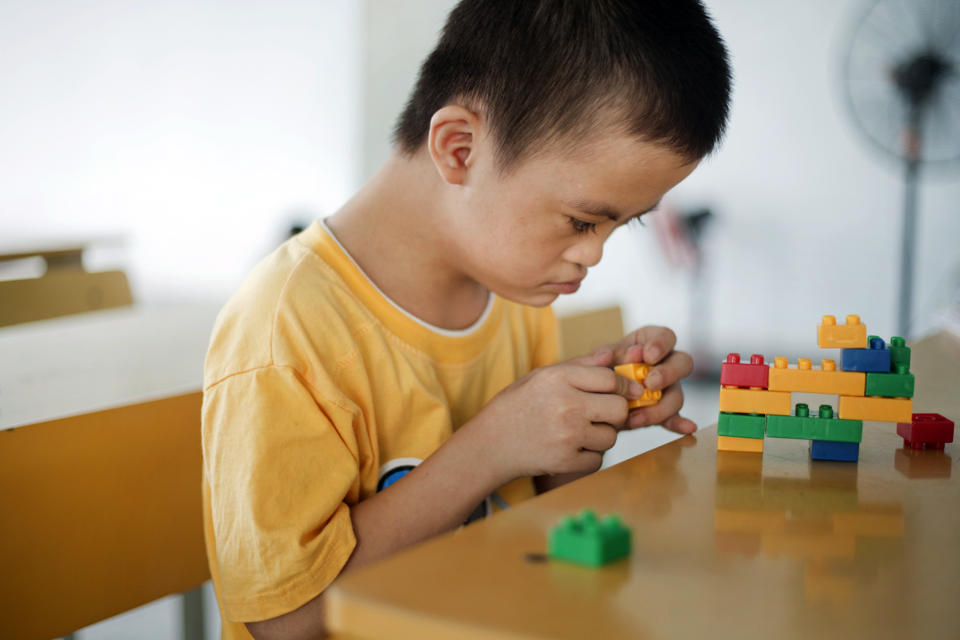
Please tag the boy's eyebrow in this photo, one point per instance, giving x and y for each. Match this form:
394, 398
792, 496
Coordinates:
602, 209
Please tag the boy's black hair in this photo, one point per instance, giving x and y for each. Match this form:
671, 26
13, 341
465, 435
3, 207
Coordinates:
555, 70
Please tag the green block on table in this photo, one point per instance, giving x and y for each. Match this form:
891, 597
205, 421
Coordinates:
890, 385
899, 353
803, 426
741, 425
586, 540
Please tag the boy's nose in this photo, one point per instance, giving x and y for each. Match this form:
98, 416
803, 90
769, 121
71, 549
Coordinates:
588, 251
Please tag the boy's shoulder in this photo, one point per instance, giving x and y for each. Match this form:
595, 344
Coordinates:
275, 316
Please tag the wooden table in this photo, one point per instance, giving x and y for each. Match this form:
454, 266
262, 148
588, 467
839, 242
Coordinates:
100, 465
726, 545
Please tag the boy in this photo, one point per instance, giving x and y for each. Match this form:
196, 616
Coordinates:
389, 369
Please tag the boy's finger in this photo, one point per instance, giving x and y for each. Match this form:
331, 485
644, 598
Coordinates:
607, 408
586, 461
599, 437
601, 357
657, 343
678, 365
600, 379
669, 405
679, 424
646, 344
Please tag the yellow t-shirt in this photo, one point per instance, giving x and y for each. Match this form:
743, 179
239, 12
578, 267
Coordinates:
318, 390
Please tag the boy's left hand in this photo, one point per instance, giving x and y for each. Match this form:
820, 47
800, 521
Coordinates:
654, 346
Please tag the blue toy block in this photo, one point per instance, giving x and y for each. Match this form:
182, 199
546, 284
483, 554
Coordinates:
837, 451
875, 359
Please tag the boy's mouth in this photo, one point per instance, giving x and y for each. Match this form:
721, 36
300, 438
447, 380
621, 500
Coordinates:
565, 287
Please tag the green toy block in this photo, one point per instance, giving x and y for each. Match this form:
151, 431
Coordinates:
899, 353
803, 426
741, 425
588, 541
890, 385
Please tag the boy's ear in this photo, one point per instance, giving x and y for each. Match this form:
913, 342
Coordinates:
452, 142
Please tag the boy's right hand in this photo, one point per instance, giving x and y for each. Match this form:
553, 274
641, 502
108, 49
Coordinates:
556, 419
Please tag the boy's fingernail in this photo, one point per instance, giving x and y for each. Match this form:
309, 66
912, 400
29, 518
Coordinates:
652, 354
654, 379
636, 389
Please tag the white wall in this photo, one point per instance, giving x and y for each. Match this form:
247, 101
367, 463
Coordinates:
197, 129
397, 36
809, 214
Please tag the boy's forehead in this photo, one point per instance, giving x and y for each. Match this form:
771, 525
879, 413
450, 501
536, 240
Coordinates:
613, 165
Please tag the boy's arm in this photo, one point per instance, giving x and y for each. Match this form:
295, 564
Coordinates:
436, 496
555, 420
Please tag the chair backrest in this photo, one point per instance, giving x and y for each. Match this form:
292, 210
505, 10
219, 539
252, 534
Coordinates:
64, 289
99, 513
581, 333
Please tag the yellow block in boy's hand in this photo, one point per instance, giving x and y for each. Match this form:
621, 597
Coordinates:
637, 371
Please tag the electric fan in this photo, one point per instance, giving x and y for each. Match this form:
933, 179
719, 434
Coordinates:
902, 81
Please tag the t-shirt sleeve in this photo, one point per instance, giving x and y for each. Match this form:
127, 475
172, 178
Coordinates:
280, 462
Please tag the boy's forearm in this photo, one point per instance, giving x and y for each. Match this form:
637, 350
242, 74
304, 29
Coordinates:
435, 497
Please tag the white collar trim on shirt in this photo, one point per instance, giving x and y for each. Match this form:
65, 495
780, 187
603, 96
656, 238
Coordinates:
453, 333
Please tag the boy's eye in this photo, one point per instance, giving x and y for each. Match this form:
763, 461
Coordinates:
579, 226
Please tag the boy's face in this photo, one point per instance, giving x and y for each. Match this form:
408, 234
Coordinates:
531, 234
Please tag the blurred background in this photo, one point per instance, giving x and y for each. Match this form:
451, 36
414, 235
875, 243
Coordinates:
189, 137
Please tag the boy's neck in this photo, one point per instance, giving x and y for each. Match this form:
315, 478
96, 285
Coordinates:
394, 229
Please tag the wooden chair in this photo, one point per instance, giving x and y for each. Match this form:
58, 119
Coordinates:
64, 289
101, 513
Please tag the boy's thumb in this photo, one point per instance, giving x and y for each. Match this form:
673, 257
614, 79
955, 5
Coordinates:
602, 357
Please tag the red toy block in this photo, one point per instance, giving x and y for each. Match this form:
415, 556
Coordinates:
927, 431
734, 373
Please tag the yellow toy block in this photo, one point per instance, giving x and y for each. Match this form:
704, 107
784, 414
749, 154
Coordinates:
733, 443
637, 371
851, 335
878, 409
809, 380
734, 400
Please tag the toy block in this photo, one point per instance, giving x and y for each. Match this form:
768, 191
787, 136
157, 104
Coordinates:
899, 353
734, 373
803, 426
809, 380
734, 443
637, 371
755, 401
890, 385
837, 451
878, 409
926, 431
588, 541
741, 426
875, 358
851, 335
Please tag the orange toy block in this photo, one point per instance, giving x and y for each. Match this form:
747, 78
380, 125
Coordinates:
637, 371
874, 408
733, 443
851, 335
809, 380
734, 400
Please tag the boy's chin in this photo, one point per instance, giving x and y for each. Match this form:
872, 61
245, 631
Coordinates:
530, 298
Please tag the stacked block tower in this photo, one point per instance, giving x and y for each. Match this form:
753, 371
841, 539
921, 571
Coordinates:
874, 383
